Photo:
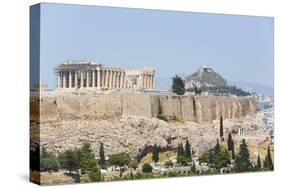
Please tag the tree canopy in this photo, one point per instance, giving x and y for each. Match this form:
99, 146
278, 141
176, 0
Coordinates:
178, 86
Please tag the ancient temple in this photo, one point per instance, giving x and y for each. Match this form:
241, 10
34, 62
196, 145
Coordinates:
92, 75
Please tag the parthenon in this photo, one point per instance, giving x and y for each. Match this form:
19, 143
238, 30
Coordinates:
91, 75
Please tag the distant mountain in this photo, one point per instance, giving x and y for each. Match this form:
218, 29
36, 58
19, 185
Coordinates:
253, 87
205, 77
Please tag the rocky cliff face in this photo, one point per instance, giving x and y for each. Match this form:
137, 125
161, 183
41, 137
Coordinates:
136, 135
57, 107
128, 123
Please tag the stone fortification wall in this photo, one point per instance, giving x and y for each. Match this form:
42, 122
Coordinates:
57, 107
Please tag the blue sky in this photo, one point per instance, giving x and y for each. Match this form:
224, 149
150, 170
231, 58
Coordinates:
240, 48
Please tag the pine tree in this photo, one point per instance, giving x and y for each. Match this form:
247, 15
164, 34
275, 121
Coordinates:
187, 150
258, 166
178, 85
242, 162
232, 151
268, 164
229, 142
211, 157
87, 158
221, 127
102, 156
217, 148
180, 154
155, 154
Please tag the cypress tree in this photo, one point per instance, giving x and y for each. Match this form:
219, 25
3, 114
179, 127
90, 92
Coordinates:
242, 162
232, 151
181, 150
268, 164
221, 127
180, 154
155, 154
258, 166
229, 142
217, 148
187, 150
102, 156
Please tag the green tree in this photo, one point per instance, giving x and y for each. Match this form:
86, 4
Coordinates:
221, 127
69, 160
233, 152
258, 166
268, 164
229, 142
187, 150
221, 159
87, 158
146, 168
48, 161
217, 147
49, 164
102, 156
178, 85
211, 156
197, 91
182, 160
181, 150
180, 154
242, 162
95, 174
119, 159
155, 154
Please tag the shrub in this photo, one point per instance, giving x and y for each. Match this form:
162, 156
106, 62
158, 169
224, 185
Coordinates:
169, 164
50, 163
133, 164
146, 168
162, 117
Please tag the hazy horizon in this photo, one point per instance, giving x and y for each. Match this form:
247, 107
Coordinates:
240, 48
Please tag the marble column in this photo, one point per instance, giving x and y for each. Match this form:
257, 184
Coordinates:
149, 81
70, 79
113, 79
106, 78
122, 80
98, 77
76, 79
93, 78
110, 79
117, 79
87, 78
103, 78
82, 79
59, 79
63, 79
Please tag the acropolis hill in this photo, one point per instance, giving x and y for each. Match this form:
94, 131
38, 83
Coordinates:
130, 118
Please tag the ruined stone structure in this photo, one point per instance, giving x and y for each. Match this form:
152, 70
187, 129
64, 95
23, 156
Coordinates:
90, 75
